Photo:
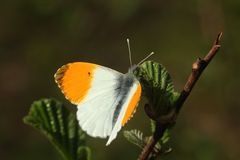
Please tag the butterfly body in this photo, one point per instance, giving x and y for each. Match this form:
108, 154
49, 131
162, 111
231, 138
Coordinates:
105, 98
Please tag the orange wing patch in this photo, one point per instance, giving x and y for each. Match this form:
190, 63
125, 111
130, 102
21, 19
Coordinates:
132, 105
74, 79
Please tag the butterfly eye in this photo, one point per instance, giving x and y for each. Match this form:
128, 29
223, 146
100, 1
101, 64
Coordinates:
89, 73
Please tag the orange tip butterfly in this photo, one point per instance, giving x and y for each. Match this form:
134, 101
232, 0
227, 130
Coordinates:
105, 98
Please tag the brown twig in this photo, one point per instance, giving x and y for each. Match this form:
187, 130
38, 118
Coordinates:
197, 69
152, 142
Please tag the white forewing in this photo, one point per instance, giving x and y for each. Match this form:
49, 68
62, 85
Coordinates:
104, 80
101, 112
95, 112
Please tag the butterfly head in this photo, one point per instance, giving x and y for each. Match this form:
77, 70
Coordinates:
132, 68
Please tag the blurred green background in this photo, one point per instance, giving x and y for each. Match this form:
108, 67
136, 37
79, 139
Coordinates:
38, 36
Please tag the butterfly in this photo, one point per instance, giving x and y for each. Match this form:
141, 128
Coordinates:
106, 99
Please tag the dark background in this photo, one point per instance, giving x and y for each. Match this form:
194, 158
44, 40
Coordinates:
38, 36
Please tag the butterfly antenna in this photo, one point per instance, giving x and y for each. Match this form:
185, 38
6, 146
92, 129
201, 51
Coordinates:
152, 53
129, 52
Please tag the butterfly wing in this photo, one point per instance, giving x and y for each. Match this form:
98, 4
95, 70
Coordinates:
104, 97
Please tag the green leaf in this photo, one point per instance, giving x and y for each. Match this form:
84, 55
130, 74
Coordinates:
84, 153
153, 125
158, 87
60, 126
135, 137
165, 138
